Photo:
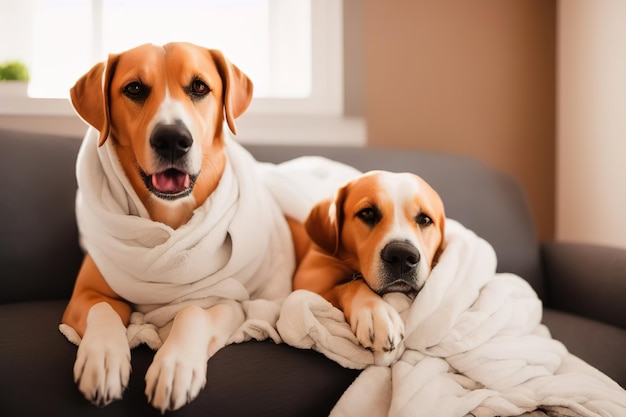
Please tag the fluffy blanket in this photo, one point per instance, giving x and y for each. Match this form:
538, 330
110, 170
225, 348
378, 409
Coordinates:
474, 343
236, 247
474, 346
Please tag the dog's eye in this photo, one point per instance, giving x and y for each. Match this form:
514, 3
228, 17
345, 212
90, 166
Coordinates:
369, 215
198, 88
423, 220
136, 91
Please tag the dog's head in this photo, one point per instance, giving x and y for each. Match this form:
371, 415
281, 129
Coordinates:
388, 227
164, 108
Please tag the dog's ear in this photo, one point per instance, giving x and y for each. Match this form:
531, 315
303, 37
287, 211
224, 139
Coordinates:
237, 89
441, 247
90, 96
325, 222
441, 224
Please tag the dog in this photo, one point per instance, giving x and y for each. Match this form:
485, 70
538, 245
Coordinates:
382, 232
162, 109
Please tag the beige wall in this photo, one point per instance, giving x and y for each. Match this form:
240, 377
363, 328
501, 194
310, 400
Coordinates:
471, 77
591, 176
479, 78
59, 125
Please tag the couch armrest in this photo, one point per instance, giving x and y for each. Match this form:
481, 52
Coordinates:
586, 279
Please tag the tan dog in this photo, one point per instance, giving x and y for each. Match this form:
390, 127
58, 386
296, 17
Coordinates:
164, 109
381, 233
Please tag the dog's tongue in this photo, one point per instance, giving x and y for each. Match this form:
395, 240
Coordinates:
171, 181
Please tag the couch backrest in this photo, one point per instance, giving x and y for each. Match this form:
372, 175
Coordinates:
487, 201
40, 256
39, 252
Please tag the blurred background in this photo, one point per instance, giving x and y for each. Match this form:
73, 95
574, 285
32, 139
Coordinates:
536, 88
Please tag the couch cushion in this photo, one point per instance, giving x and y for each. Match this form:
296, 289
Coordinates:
254, 378
38, 218
599, 344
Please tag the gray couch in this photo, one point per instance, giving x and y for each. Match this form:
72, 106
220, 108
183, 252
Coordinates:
583, 287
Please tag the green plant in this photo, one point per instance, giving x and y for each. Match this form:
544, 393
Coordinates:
14, 70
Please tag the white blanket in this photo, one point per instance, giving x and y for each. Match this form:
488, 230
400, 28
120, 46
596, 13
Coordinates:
474, 346
236, 247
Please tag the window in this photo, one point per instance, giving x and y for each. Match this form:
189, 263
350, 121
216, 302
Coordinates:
291, 49
269, 40
273, 41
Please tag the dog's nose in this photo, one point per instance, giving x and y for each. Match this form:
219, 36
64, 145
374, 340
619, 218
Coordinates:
400, 257
171, 141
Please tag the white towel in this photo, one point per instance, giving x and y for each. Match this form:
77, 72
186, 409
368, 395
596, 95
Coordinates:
237, 246
474, 345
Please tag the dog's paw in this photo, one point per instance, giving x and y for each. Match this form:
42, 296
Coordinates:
102, 367
175, 377
378, 327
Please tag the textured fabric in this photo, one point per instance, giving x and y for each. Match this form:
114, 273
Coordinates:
483, 199
236, 246
39, 258
248, 379
595, 341
474, 344
39, 252
569, 266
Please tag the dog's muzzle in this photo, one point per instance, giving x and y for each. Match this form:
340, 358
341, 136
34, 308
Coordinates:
400, 260
171, 143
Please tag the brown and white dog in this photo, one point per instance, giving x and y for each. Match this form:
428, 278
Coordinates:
163, 108
381, 233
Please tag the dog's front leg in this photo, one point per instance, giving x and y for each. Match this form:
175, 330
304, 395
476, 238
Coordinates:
102, 366
178, 371
375, 323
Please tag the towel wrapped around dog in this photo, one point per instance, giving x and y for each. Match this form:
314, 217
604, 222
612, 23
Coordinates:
474, 346
236, 247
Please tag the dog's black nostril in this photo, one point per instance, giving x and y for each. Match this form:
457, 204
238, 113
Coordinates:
171, 141
400, 256
412, 261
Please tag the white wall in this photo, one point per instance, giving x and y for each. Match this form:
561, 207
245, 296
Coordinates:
16, 23
591, 122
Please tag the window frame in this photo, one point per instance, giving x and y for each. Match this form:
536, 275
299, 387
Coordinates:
317, 119
327, 67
